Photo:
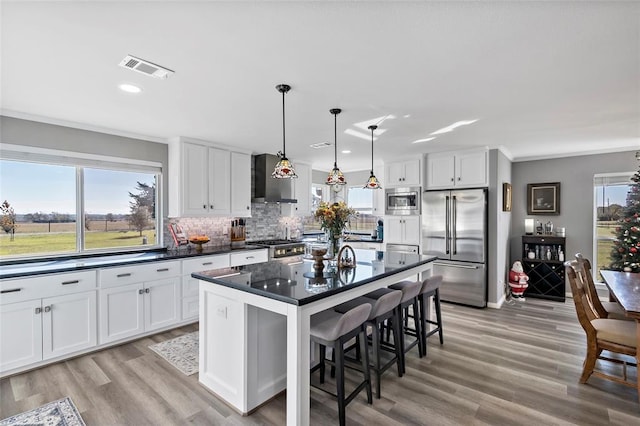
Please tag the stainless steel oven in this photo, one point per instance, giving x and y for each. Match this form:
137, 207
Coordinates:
402, 201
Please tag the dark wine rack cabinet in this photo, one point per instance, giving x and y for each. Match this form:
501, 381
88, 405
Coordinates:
546, 269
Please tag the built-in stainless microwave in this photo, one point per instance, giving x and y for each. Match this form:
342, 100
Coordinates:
402, 201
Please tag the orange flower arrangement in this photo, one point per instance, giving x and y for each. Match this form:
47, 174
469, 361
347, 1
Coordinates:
334, 217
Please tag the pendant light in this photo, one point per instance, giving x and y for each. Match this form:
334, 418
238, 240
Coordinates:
335, 177
373, 182
284, 169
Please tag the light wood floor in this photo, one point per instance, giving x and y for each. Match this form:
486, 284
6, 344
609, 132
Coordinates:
515, 366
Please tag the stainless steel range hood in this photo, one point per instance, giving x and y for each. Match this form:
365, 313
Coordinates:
264, 188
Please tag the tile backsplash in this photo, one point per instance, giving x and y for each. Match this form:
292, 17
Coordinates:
266, 222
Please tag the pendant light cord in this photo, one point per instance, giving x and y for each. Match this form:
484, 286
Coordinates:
335, 140
372, 129
284, 146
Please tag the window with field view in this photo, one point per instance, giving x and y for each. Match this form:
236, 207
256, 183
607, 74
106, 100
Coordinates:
56, 209
610, 199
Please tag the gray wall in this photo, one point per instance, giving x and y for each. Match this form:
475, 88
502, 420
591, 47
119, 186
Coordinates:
42, 135
575, 175
499, 227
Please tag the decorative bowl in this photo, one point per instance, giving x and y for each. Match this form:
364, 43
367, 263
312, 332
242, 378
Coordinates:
199, 241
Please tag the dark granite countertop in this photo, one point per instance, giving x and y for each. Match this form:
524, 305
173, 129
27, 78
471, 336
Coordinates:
16, 269
292, 279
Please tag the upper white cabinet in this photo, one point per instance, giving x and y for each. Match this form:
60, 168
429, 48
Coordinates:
205, 180
301, 192
460, 169
402, 173
240, 184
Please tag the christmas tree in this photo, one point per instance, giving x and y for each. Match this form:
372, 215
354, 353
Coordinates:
625, 255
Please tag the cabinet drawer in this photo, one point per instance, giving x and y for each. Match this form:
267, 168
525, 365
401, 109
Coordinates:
248, 257
21, 289
205, 263
122, 275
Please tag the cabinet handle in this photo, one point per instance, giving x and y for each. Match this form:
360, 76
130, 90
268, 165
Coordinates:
11, 290
211, 206
207, 263
459, 179
162, 270
47, 308
249, 257
38, 311
128, 274
146, 290
141, 291
451, 179
70, 282
204, 206
248, 207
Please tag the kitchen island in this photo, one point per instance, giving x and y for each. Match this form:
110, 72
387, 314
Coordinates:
254, 323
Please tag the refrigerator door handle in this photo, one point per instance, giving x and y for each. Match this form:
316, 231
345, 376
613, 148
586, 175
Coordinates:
446, 226
450, 265
454, 215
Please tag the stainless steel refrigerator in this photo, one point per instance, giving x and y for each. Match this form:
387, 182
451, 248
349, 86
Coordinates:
454, 228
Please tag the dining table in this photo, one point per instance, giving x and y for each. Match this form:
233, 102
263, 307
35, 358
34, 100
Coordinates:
625, 288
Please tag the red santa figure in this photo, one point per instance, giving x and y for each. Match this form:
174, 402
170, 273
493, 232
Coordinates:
518, 280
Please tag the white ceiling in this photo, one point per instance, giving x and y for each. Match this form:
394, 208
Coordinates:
542, 78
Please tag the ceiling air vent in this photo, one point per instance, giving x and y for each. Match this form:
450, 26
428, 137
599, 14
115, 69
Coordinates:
320, 145
145, 67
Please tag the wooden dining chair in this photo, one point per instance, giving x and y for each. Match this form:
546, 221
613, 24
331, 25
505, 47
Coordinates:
613, 335
604, 309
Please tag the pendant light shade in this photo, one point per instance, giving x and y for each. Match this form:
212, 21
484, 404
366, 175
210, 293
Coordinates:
373, 182
284, 169
335, 177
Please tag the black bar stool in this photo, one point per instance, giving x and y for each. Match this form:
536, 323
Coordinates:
410, 291
382, 309
332, 329
430, 287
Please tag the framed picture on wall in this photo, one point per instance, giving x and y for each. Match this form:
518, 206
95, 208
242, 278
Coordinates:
543, 198
506, 197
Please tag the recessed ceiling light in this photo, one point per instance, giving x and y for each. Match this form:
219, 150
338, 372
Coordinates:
424, 140
129, 88
346, 151
451, 127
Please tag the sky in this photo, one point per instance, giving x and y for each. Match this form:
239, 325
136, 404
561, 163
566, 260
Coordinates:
615, 194
32, 187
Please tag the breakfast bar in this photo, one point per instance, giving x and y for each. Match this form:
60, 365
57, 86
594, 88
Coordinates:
255, 319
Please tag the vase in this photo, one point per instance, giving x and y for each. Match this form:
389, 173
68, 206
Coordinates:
335, 242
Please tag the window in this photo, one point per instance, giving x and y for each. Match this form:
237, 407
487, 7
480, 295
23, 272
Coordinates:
57, 204
610, 200
361, 199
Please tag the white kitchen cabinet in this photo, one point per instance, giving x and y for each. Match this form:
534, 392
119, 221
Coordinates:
190, 285
138, 298
402, 230
20, 334
240, 184
402, 173
33, 329
208, 180
460, 169
301, 192
68, 324
219, 181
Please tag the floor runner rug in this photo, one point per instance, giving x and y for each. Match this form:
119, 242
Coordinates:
181, 352
56, 413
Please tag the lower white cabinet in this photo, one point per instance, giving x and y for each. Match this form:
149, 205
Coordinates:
402, 230
133, 309
190, 304
42, 329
